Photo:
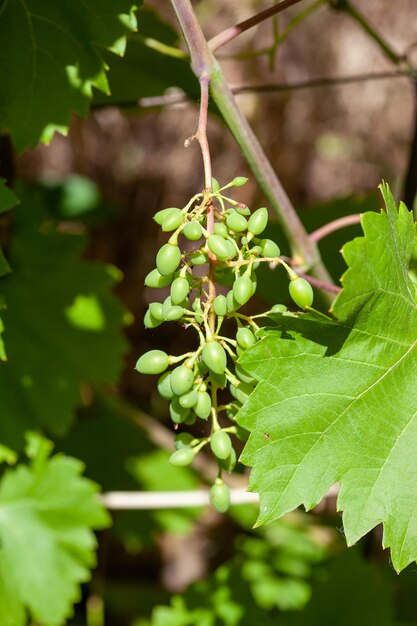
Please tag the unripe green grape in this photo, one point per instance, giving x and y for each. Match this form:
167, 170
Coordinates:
215, 185
183, 440
182, 380
239, 181
220, 497
172, 221
221, 444
232, 249
174, 313
192, 231
190, 419
279, 308
152, 362
245, 338
232, 304
160, 216
188, 400
241, 392
149, 321
242, 289
220, 305
220, 229
256, 250
180, 289
182, 457
177, 412
214, 356
198, 258
236, 222
155, 280
168, 259
243, 375
164, 386
228, 464
301, 292
242, 209
203, 406
258, 221
270, 248
155, 309
219, 247
199, 316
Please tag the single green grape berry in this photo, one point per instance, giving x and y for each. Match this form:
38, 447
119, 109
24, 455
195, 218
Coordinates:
192, 231
232, 303
219, 247
221, 444
242, 375
172, 221
239, 181
155, 280
228, 464
177, 412
279, 308
188, 400
198, 258
190, 419
174, 313
182, 457
220, 229
236, 222
164, 386
152, 362
270, 248
182, 380
220, 496
155, 309
203, 406
180, 289
220, 305
245, 338
232, 249
242, 289
149, 321
301, 292
214, 356
215, 185
160, 216
258, 221
242, 209
199, 316
183, 440
168, 259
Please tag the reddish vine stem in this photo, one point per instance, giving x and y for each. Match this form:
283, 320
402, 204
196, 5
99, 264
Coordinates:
231, 33
332, 227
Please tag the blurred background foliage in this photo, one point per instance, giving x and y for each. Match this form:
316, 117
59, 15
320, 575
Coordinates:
79, 245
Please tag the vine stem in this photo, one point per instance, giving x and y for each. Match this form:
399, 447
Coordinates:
231, 33
335, 225
203, 62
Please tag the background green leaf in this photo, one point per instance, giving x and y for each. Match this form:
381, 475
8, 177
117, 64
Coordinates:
63, 325
50, 59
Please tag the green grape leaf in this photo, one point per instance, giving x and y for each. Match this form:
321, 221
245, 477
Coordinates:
51, 58
63, 325
47, 513
337, 400
152, 64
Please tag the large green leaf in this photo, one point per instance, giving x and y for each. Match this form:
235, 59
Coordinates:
63, 325
50, 59
153, 63
47, 513
337, 400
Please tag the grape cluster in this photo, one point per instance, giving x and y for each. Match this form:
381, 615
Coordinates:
227, 242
